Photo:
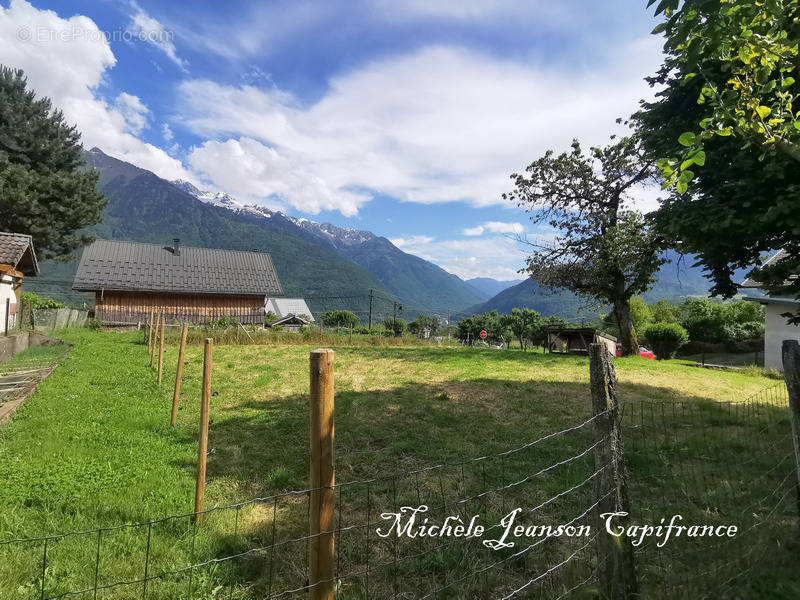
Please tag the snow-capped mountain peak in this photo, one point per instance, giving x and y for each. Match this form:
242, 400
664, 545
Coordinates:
328, 233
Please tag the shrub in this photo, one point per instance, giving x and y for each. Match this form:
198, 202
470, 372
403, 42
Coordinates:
394, 326
665, 338
340, 318
39, 302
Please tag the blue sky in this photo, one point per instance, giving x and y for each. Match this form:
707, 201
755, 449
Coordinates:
404, 118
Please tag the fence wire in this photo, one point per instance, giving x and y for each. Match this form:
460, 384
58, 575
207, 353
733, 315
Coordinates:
712, 463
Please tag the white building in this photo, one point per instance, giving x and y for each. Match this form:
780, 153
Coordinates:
776, 327
283, 307
17, 259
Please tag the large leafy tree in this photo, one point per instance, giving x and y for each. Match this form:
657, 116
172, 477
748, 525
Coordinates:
754, 43
45, 191
603, 249
744, 202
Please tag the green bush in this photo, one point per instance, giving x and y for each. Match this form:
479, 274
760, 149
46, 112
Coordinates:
37, 302
340, 318
665, 338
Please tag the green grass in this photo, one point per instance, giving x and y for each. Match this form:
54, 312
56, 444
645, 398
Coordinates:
93, 448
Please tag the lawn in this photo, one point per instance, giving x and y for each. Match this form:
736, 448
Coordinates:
93, 448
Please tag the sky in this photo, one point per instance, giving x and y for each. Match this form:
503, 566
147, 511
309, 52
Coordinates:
405, 118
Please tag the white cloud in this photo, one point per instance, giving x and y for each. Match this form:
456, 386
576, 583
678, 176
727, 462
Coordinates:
497, 256
166, 132
438, 125
133, 111
249, 169
67, 60
151, 31
413, 241
495, 227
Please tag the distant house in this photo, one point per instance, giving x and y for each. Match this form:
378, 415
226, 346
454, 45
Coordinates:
17, 259
291, 323
776, 327
129, 279
283, 307
577, 340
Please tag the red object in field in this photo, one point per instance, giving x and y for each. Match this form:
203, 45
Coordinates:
483, 334
643, 352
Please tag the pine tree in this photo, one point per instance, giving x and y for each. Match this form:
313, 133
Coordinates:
45, 189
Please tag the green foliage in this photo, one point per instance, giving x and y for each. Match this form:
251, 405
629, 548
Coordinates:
44, 190
224, 322
664, 311
340, 318
742, 204
525, 324
604, 249
665, 338
755, 44
395, 325
714, 322
37, 302
423, 322
270, 316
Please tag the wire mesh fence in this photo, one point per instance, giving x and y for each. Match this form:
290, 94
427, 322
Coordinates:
259, 548
397, 536
715, 464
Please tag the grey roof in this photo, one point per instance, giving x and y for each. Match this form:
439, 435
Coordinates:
16, 249
132, 266
288, 306
751, 283
294, 319
772, 300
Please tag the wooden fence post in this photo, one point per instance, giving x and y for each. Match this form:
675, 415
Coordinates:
161, 350
178, 374
150, 331
202, 447
321, 547
155, 339
616, 571
791, 373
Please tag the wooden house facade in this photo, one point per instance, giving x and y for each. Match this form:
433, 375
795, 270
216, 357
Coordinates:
198, 285
17, 259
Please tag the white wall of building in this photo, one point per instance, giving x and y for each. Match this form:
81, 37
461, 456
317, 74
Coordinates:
777, 329
6, 294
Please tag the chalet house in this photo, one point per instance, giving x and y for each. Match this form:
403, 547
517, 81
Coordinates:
283, 307
129, 279
776, 327
17, 259
291, 323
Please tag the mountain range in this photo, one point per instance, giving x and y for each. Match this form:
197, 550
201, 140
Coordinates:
333, 267
408, 278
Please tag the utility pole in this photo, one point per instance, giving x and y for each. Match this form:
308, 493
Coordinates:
396, 306
448, 325
371, 296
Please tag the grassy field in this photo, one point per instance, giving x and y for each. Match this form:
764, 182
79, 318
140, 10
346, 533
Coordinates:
93, 448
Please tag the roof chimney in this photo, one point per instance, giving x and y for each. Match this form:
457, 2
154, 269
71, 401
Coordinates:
176, 246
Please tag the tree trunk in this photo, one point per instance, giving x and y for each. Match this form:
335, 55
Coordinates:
627, 333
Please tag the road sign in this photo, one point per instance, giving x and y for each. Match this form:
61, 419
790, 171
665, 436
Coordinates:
483, 334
